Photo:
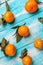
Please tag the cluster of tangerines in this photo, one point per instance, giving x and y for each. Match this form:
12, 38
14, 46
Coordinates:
31, 6
10, 50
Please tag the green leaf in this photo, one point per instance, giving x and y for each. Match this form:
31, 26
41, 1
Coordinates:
4, 43
7, 6
1, 21
23, 53
39, 2
4, 52
18, 37
17, 26
40, 19
4, 22
0, 44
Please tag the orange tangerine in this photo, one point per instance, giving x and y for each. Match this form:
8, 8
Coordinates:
10, 50
27, 60
8, 17
31, 6
38, 43
23, 31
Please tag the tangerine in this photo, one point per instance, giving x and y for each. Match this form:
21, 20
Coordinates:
38, 43
8, 17
27, 60
10, 50
23, 31
31, 6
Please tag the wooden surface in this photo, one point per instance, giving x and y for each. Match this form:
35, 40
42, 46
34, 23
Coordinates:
36, 29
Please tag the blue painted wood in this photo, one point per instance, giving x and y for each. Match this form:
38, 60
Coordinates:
36, 30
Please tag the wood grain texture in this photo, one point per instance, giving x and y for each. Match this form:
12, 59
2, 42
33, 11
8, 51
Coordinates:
36, 29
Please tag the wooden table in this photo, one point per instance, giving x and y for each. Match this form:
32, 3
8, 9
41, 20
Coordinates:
36, 29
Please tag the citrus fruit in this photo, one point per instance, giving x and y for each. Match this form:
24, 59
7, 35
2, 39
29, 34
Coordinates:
31, 6
23, 31
38, 43
27, 60
8, 17
10, 50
